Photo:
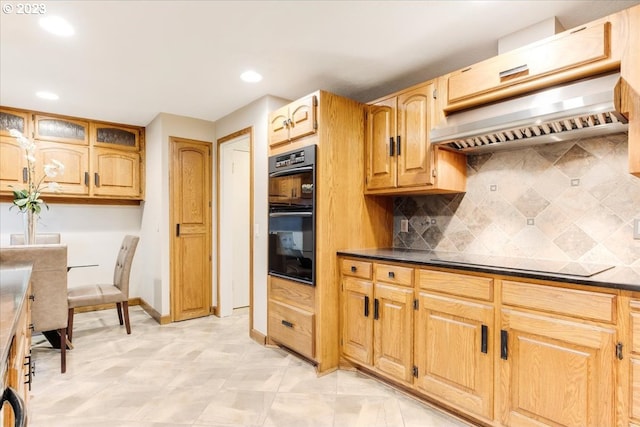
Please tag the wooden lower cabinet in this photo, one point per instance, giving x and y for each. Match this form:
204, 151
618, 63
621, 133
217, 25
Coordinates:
499, 350
393, 331
377, 326
453, 351
357, 312
555, 371
291, 317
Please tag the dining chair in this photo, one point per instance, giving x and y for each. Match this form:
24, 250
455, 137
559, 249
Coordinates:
116, 292
49, 307
41, 239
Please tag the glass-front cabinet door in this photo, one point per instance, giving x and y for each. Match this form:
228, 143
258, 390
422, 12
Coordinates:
58, 129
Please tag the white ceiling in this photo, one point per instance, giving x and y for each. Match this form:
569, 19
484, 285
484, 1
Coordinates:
130, 60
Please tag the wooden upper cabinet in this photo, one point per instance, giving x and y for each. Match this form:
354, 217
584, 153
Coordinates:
58, 129
397, 140
75, 179
114, 136
380, 144
116, 173
14, 119
13, 164
293, 121
414, 161
580, 50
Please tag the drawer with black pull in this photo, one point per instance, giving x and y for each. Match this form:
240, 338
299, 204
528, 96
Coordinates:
292, 327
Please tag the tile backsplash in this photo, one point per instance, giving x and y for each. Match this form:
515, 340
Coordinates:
572, 200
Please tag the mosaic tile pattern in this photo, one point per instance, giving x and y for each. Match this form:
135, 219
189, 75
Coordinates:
573, 201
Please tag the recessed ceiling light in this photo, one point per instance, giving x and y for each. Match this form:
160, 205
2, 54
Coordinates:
47, 95
57, 25
250, 76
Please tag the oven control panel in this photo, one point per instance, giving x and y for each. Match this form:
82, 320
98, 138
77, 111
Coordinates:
290, 159
304, 157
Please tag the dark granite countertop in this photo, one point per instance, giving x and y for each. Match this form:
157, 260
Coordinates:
600, 275
14, 281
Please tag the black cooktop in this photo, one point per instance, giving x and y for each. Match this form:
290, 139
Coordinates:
567, 268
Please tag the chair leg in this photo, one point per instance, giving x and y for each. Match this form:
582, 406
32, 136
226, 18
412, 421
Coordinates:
70, 324
119, 309
63, 350
125, 306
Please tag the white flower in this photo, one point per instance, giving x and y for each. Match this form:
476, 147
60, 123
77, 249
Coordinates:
54, 186
53, 169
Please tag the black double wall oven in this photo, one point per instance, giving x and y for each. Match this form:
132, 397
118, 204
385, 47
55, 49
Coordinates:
292, 183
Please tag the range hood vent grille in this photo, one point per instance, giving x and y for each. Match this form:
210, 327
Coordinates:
580, 109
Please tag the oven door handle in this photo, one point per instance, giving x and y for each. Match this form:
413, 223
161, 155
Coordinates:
291, 171
279, 214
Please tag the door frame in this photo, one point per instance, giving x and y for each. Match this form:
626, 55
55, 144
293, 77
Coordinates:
248, 131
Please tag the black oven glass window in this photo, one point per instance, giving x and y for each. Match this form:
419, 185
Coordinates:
291, 246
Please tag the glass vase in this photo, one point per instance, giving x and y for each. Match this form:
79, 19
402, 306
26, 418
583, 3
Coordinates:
30, 223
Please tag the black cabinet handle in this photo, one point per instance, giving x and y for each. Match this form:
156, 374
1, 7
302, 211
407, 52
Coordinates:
376, 309
353, 268
96, 179
86, 179
287, 324
398, 142
483, 341
392, 275
366, 306
177, 230
504, 337
391, 146
619, 351
25, 175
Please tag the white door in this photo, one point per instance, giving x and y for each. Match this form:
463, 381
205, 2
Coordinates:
234, 219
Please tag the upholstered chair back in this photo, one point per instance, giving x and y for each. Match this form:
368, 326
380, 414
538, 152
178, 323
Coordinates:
122, 269
48, 282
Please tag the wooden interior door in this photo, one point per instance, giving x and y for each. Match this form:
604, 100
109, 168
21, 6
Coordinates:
190, 196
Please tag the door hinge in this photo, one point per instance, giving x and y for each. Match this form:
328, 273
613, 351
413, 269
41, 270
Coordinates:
414, 371
619, 351
341, 342
315, 101
315, 125
416, 304
209, 257
435, 94
434, 173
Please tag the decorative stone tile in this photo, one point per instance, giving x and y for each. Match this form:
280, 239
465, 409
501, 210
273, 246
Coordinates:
530, 204
535, 183
574, 242
576, 162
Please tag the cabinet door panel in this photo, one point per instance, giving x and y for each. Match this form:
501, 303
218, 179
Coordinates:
393, 331
57, 129
381, 127
567, 51
75, 179
303, 117
12, 164
13, 119
278, 127
116, 173
413, 127
449, 352
556, 372
357, 327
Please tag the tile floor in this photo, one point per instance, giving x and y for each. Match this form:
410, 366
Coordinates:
203, 373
